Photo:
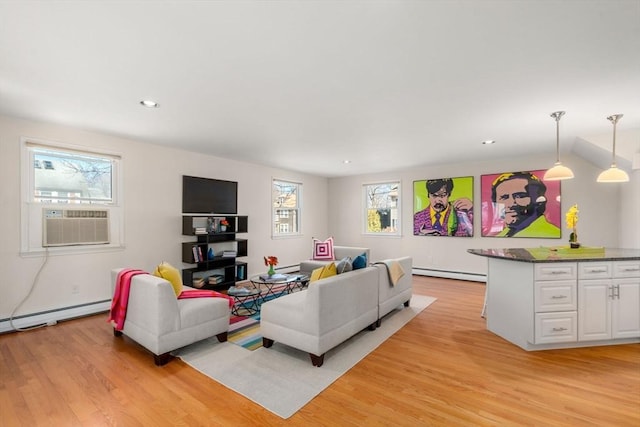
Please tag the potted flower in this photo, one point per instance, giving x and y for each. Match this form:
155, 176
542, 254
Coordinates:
271, 261
572, 223
224, 224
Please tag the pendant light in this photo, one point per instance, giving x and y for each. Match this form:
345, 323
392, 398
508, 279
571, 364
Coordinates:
613, 174
558, 171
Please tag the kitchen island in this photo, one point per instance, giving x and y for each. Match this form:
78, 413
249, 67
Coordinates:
558, 297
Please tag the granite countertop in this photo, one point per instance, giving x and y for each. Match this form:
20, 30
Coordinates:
559, 254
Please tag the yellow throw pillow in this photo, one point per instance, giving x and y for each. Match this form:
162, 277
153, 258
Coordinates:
329, 270
315, 274
323, 272
170, 274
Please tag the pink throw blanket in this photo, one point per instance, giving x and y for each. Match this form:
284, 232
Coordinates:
204, 293
121, 297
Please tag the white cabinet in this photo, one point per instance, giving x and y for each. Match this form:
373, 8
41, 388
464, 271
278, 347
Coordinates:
608, 300
555, 303
550, 305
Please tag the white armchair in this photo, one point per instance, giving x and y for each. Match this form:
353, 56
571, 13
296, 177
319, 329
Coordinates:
160, 322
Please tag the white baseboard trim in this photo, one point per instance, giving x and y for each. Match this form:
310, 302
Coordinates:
474, 277
53, 316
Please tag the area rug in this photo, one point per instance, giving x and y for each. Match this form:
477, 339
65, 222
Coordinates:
245, 331
282, 379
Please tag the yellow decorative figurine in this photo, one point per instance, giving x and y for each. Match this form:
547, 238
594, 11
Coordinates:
572, 223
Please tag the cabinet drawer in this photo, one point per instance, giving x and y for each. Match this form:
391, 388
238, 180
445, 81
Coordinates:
626, 269
560, 295
556, 327
595, 270
556, 271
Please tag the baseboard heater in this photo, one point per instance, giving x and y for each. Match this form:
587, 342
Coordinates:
447, 274
56, 315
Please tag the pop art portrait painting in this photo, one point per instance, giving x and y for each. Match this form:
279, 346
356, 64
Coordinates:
443, 207
520, 204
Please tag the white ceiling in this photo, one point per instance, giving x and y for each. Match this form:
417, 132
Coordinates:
303, 85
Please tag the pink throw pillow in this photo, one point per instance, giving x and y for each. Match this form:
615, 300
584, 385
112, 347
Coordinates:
323, 250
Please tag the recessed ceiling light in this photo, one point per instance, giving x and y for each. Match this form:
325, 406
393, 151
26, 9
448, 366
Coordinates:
488, 142
149, 104
346, 162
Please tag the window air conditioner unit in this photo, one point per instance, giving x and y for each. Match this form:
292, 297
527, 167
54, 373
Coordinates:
67, 227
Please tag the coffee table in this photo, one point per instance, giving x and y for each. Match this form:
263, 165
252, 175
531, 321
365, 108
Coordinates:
288, 281
246, 301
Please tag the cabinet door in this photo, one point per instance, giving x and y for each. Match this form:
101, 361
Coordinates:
626, 308
594, 309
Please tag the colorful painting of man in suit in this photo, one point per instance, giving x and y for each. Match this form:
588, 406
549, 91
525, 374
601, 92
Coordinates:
443, 207
520, 204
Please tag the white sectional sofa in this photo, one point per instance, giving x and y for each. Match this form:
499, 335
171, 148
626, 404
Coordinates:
333, 309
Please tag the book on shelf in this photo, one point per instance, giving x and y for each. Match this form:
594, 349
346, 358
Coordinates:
198, 282
200, 257
216, 279
196, 257
200, 230
228, 254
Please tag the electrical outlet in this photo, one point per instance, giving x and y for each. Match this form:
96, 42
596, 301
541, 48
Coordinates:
75, 289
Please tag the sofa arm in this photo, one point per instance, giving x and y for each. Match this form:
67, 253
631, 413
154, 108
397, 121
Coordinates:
293, 311
152, 305
389, 295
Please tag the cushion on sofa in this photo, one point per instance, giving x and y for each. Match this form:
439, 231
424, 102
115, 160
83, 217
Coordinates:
360, 261
344, 265
323, 272
323, 249
170, 274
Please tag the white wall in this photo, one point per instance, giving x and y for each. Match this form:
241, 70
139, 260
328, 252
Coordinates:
600, 213
153, 203
629, 224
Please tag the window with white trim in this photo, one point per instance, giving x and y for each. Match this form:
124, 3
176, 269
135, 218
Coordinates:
382, 208
57, 177
286, 203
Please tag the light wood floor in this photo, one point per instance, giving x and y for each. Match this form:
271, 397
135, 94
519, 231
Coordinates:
442, 369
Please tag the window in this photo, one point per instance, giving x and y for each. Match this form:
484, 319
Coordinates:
286, 198
65, 179
70, 176
382, 212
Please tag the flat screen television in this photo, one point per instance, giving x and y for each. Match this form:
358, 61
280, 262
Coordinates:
209, 196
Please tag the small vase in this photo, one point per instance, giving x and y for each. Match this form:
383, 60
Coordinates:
223, 228
271, 271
